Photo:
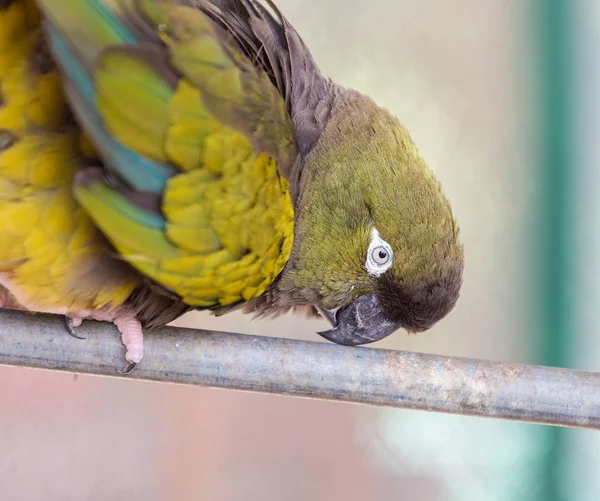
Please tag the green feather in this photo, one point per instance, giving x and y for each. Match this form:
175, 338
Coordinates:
137, 229
80, 19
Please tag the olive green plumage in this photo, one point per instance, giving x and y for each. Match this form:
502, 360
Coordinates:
364, 173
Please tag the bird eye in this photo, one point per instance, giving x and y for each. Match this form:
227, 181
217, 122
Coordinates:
379, 256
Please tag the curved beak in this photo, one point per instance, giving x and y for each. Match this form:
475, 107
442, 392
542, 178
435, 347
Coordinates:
361, 322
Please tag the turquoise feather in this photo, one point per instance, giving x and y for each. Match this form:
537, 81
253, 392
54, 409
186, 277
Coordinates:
139, 172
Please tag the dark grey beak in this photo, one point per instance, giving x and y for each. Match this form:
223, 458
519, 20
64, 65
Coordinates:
362, 322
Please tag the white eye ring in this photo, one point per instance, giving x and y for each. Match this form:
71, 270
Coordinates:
380, 255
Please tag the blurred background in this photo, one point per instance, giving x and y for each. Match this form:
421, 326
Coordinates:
503, 99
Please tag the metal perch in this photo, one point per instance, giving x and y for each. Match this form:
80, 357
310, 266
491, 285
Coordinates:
406, 380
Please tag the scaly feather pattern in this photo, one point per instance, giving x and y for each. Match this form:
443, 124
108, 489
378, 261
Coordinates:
191, 133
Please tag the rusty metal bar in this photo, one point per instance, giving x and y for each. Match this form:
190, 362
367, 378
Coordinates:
406, 380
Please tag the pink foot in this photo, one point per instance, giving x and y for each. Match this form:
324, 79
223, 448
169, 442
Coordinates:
124, 319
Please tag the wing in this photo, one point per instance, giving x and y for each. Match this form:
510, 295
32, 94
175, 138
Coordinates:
192, 135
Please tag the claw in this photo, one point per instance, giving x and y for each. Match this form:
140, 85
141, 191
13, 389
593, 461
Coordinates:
128, 369
71, 326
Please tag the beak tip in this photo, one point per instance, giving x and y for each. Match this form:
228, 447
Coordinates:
362, 322
336, 337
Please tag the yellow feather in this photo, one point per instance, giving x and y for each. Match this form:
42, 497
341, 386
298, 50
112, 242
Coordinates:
47, 239
229, 215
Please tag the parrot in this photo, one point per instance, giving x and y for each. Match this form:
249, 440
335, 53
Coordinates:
162, 156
